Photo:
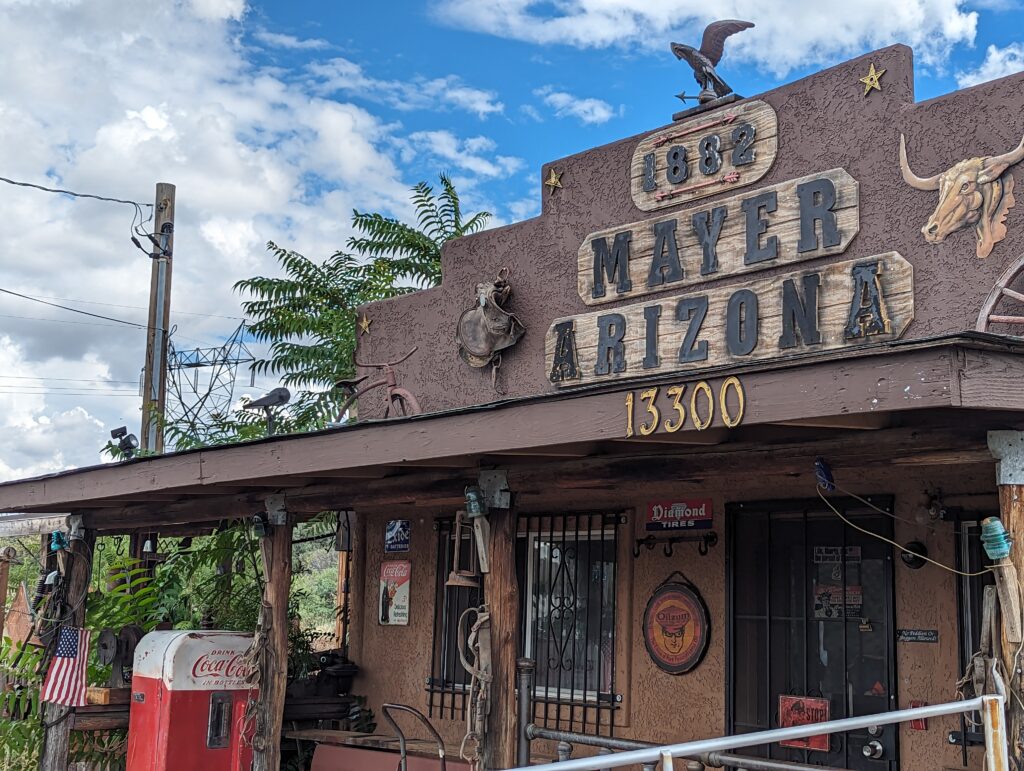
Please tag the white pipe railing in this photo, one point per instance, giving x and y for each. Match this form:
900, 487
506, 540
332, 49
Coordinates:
991, 708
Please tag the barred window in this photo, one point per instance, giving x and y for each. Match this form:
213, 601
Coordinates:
448, 685
567, 567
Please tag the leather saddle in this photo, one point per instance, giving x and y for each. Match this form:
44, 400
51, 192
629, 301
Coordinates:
486, 329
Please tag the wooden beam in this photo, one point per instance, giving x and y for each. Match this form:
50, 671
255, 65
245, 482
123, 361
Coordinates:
277, 556
868, 421
502, 596
20, 525
57, 735
7, 555
898, 380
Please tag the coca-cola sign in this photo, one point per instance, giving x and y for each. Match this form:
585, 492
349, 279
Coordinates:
220, 667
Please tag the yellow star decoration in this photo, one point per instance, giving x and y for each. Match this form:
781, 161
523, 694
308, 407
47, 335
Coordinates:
364, 325
872, 79
554, 179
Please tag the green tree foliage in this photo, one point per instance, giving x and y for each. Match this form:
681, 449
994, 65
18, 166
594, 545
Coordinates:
308, 315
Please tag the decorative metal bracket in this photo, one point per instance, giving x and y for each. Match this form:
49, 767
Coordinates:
704, 542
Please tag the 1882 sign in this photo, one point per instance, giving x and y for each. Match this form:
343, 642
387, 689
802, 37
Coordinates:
704, 156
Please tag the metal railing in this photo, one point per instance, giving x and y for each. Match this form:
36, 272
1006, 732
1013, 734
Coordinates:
714, 751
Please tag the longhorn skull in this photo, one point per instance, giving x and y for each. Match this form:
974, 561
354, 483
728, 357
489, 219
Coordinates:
976, 191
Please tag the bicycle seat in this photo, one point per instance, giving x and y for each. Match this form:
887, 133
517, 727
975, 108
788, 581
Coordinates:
350, 385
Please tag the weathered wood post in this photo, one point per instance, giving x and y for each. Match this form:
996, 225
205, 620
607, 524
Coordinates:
502, 595
57, 718
277, 561
1008, 449
6, 558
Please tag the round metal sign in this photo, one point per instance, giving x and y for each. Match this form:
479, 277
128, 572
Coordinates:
677, 628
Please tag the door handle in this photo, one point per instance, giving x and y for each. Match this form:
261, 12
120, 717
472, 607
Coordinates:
873, 749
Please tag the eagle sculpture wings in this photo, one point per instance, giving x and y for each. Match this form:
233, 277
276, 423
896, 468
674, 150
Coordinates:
703, 61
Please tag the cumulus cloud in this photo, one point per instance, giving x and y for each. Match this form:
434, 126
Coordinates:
340, 75
279, 40
256, 154
802, 32
998, 63
470, 154
586, 110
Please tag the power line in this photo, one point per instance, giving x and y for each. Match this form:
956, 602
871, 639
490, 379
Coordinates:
74, 194
67, 393
73, 310
65, 321
142, 308
71, 379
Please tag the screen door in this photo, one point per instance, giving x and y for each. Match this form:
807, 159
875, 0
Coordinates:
811, 627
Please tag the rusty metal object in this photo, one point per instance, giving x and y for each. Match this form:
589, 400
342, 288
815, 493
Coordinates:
401, 402
704, 59
976, 191
486, 329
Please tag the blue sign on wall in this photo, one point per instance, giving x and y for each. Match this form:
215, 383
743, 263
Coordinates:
397, 536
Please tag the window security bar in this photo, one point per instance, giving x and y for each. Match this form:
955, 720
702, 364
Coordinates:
991, 708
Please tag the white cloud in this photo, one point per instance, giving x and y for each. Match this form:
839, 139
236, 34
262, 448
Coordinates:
279, 40
466, 154
999, 62
256, 155
799, 32
340, 75
219, 10
586, 110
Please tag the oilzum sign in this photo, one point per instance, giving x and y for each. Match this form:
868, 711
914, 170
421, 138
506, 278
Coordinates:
688, 513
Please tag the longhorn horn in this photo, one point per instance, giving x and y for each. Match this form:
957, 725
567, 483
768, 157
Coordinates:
920, 183
999, 163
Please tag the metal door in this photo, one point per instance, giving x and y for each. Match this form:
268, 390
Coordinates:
811, 621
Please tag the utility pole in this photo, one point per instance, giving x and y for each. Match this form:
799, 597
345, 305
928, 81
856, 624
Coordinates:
154, 382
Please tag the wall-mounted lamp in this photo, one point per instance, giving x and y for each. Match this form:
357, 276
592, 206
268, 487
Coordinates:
912, 555
126, 443
260, 528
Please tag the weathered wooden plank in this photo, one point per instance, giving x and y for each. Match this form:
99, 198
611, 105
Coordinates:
836, 292
732, 241
19, 525
688, 135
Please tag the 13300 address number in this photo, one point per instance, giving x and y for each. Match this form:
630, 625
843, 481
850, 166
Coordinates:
695, 405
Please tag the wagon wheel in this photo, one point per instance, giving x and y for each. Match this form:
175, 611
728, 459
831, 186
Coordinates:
989, 314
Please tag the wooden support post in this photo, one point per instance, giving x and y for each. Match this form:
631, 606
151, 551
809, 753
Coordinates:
1008, 448
58, 733
6, 557
277, 557
501, 589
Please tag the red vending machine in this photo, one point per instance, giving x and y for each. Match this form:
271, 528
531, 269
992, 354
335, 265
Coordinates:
188, 702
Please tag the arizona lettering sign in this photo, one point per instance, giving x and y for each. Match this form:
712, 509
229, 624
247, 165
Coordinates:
692, 288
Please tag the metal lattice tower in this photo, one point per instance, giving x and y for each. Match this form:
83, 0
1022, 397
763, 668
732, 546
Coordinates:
201, 382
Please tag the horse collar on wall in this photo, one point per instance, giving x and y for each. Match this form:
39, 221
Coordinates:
486, 329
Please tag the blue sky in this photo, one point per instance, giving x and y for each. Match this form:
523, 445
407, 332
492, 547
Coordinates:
276, 119
631, 82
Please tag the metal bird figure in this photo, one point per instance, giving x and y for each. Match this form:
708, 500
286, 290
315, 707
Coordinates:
703, 61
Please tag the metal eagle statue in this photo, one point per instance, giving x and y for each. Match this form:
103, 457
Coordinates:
703, 61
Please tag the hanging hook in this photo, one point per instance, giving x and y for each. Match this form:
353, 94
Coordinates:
668, 548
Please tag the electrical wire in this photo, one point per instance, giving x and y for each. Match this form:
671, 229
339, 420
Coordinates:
65, 321
142, 308
896, 545
73, 310
74, 194
64, 379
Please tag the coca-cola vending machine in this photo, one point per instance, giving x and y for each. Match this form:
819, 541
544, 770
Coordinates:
188, 702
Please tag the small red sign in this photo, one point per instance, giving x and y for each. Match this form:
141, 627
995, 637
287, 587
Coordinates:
921, 723
803, 710
688, 513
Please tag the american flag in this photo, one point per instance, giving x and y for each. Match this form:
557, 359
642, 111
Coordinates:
65, 682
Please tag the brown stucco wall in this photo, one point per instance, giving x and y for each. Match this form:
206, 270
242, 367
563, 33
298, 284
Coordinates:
663, 708
825, 121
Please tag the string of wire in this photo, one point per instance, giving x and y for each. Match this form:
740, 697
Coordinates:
880, 537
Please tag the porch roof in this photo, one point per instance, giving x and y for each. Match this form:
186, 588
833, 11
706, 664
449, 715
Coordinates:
430, 457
